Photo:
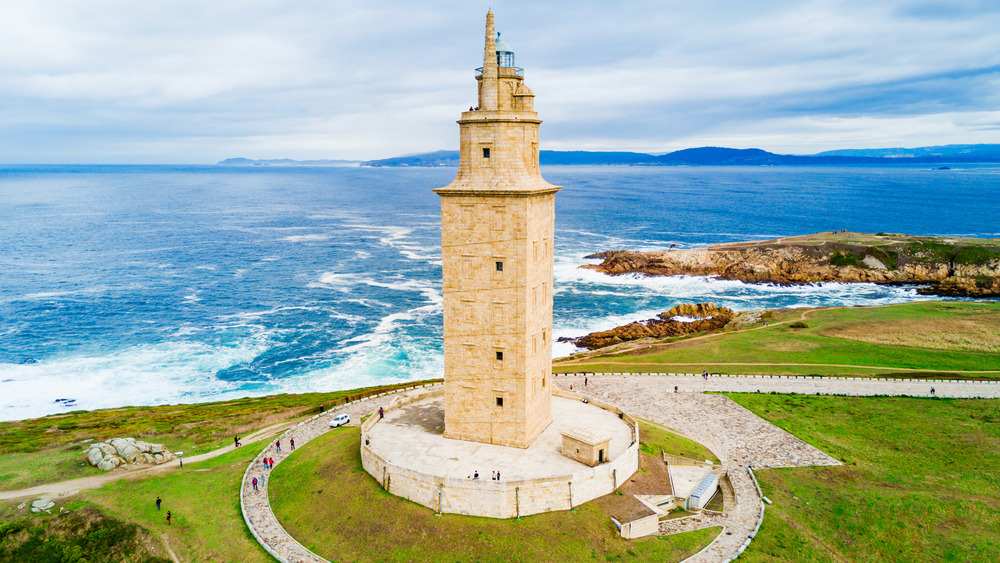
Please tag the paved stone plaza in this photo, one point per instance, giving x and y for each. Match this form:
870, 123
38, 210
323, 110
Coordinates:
413, 436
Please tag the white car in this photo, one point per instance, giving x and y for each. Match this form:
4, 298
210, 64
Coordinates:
340, 420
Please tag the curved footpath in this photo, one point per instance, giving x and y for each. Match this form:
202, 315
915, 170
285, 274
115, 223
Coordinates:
255, 505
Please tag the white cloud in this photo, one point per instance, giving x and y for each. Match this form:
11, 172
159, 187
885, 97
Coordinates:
185, 81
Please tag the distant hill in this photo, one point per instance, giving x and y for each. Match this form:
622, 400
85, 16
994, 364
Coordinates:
286, 162
720, 156
991, 152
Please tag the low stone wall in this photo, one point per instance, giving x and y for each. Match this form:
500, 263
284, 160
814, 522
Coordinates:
646, 526
500, 499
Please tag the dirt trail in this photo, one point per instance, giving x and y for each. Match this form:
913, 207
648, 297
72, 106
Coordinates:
73, 486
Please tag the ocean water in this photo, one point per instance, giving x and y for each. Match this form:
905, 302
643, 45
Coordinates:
126, 285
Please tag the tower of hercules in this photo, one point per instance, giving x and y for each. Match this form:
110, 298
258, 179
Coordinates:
497, 223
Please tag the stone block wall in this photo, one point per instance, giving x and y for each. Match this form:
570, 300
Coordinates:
499, 499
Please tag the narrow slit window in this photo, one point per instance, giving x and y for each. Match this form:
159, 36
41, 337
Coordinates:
486, 152
500, 356
499, 266
499, 401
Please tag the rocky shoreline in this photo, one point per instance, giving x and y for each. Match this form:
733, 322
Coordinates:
683, 319
947, 266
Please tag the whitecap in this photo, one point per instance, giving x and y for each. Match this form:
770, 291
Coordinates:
306, 238
168, 372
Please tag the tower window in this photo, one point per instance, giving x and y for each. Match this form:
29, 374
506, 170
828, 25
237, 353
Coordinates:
500, 356
499, 266
486, 152
499, 401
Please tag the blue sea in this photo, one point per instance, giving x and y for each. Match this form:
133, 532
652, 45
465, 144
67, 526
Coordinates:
134, 285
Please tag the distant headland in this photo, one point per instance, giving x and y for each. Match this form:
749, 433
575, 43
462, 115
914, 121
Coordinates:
949, 266
719, 156
703, 156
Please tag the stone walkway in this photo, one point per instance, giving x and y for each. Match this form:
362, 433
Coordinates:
255, 504
853, 386
737, 436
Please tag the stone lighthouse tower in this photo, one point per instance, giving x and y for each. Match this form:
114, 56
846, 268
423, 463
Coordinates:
497, 223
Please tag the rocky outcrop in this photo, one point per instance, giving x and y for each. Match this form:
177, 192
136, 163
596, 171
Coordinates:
41, 504
678, 321
948, 266
111, 453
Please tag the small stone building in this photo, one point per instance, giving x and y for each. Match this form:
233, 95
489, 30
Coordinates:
584, 446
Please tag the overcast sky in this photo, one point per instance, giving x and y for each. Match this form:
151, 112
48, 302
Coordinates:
182, 81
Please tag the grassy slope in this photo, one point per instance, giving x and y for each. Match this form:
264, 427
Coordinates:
203, 498
814, 345
53, 448
77, 535
653, 438
919, 481
325, 499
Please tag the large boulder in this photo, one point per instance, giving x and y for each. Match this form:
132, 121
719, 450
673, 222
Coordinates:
129, 452
120, 451
109, 463
119, 444
42, 504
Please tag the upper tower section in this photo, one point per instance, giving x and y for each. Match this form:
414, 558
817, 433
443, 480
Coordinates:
499, 136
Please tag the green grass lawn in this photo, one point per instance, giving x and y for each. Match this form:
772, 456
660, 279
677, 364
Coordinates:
329, 503
203, 498
53, 448
920, 481
654, 438
835, 336
205, 505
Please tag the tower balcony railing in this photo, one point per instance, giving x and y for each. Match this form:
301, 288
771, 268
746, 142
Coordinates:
504, 71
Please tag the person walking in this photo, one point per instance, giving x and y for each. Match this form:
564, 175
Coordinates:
675, 388
292, 442
255, 483
585, 381
277, 446
381, 413
236, 441
168, 518
158, 501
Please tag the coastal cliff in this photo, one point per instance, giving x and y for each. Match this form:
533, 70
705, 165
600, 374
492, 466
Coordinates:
683, 319
949, 266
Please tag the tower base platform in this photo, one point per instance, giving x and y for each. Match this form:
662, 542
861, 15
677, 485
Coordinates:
408, 454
